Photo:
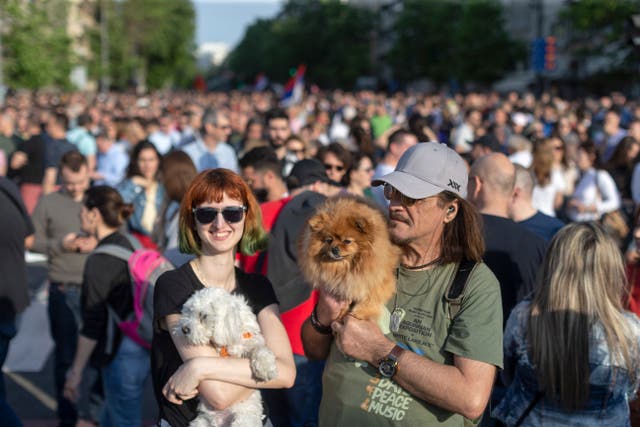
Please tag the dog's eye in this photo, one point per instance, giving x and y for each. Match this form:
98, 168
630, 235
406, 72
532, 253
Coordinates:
203, 317
328, 239
347, 241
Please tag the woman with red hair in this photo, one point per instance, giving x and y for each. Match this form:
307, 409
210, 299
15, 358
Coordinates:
218, 216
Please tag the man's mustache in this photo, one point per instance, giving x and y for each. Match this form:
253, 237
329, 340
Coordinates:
401, 218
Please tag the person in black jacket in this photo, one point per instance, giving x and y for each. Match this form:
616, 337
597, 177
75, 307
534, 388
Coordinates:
106, 284
15, 228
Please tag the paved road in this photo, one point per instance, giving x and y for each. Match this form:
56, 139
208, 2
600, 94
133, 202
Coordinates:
30, 390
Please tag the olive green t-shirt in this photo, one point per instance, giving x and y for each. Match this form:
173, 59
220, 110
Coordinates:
354, 394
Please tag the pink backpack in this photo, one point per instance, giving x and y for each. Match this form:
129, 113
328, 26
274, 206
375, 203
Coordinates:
145, 266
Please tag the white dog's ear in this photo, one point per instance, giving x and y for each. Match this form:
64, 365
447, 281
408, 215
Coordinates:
226, 326
233, 326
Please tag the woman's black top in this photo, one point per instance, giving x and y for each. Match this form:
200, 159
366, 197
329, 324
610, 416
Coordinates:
105, 281
172, 290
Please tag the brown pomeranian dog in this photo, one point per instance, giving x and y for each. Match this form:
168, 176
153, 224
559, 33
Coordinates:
345, 250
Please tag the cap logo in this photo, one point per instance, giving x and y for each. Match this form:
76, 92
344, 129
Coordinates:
454, 185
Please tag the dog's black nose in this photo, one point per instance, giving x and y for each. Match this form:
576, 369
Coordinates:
335, 251
186, 330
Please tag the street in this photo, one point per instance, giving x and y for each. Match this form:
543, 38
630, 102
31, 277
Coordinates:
29, 365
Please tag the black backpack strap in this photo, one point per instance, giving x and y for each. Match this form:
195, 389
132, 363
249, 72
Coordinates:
455, 291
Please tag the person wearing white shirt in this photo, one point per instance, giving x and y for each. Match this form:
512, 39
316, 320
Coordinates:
595, 193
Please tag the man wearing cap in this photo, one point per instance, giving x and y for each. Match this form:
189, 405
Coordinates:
309, 185
424, 362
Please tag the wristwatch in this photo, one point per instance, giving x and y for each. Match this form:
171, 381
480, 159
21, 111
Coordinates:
389, 365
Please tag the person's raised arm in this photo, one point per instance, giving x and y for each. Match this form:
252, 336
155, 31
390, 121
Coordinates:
316, 342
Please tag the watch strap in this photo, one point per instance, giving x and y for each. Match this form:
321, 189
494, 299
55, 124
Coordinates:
395, 353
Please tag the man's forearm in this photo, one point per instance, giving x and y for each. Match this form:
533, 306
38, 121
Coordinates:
316, 345
447, 386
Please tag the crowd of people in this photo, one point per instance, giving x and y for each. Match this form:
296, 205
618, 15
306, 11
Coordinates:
533, 201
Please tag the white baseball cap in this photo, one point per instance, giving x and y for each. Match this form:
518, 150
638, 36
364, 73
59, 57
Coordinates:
426, 169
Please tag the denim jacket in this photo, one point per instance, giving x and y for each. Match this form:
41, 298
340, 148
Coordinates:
610, 386
135, 194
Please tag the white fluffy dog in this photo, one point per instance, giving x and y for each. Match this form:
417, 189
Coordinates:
214, 316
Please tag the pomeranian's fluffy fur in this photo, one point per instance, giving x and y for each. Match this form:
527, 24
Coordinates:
345, 250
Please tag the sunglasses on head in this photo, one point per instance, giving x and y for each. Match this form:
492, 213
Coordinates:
231, 214
328, 166
391, 193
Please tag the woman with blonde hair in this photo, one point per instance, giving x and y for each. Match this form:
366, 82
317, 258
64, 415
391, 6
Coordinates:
572, 354
218, 217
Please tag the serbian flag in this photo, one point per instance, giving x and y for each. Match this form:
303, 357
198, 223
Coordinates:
293, 89
262, 82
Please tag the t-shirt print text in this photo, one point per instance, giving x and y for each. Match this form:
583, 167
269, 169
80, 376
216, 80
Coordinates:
415, 329
386, 398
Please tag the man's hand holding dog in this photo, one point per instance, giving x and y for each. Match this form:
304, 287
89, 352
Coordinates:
361, 339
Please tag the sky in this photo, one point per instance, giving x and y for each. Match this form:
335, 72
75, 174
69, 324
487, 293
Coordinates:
226, 20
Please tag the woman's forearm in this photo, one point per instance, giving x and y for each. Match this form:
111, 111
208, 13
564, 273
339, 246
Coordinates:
238, 372
83, 352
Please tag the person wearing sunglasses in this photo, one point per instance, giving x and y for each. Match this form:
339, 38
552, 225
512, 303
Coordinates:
218, 217
423, 363
336, 160
211, 150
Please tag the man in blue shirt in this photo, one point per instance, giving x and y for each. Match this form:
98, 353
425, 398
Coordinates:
211, 149
84, 140
112, 161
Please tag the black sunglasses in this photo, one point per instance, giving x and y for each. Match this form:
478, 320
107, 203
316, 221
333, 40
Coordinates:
391, 193
231, 214
328, 166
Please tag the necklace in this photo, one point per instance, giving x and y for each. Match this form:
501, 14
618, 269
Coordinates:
420, 267
398, 313
201, 277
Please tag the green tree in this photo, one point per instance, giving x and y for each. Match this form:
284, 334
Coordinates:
37, 50
332, 38
453, 39
150, 41
599, 28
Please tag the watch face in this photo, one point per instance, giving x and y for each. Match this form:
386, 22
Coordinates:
387, 368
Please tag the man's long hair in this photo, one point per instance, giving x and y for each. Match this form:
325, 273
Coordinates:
462, 238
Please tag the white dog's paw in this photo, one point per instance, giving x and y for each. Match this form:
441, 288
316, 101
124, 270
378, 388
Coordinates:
263, 364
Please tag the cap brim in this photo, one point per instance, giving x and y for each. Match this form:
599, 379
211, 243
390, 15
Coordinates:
408, 185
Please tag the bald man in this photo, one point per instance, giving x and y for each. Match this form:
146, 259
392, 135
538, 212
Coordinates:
521, 209
512, 252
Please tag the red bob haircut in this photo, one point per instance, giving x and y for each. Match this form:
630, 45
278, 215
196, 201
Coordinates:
210, 186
